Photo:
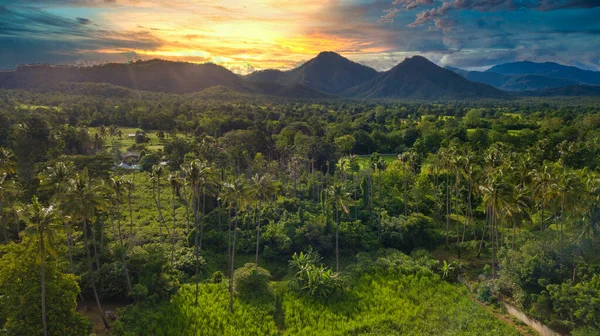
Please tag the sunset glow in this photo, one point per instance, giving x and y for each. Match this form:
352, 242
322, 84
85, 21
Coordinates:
260, 34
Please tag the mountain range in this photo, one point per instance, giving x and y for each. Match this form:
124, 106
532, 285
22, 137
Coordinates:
328, 75
530, 76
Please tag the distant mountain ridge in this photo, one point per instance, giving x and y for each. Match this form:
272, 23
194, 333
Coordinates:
531, 76
328, 75
549, 69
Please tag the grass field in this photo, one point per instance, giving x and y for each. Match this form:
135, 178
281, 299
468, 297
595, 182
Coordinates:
155, 144
363, 160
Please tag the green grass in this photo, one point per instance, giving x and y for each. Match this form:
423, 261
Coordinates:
363, 160
155, 144
376, 305
211, 316
516, 115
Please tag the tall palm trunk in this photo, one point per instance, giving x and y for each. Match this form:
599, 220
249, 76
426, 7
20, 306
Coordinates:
130, 214
485, 224
91, 272
258, 233
196, 243
456, 185
493, 233
43, 280
337, 240
202, 224
232, 263
70, 252
96, 254
355, 198
123, 251
187, 210
447, 207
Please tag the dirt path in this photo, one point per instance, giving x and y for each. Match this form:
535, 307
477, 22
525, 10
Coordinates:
523, 329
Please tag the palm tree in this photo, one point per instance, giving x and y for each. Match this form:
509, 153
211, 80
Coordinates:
236, 194
340, 199
176, 183
118, 187
198, 174
82, 198
354, 169
43, 224
569, 188
497, 196
592, 197
544, 188
130, 187
156, 176
56, 179
263, 189
378, 165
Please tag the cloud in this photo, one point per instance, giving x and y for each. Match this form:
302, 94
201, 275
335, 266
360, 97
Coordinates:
83, 21
389, 16
31, 35
412, 4
493, 6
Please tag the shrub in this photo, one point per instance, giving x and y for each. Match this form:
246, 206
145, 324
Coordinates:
316, 280
251, 281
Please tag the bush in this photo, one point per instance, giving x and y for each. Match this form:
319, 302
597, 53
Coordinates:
251, 281
316, 280
408, 233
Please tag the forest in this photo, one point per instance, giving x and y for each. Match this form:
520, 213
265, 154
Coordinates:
219, 213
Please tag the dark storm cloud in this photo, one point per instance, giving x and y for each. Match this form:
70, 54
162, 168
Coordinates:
31, 35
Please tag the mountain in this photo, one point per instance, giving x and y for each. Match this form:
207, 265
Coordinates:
154, 75
566, 91
328, 72
513, 82
418, 78
548, 69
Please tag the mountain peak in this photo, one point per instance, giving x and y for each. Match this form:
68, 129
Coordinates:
329, 54
417, 59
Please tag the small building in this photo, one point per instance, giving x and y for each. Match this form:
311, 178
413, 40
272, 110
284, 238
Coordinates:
131, 157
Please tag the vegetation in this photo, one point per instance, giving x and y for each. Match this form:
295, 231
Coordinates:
273, 216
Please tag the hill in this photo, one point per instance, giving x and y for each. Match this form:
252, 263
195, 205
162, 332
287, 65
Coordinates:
566, 91
513, 82
154, 75
328, 72
418, 78
548, 69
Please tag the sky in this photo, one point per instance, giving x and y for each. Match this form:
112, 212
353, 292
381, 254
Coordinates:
258, 34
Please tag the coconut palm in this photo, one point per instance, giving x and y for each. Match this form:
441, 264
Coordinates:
497, 196
592, 200
198, 174
56, 179
82, 198
569, 188
263, 189
236, 194
340, 199
42, 225
379, 165
130, 187
176, 184
117, 186
156, 176
544, 188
